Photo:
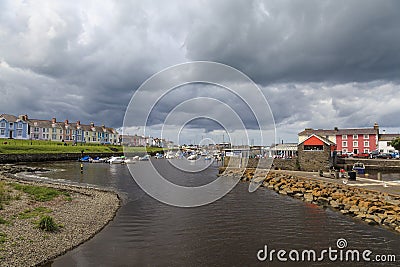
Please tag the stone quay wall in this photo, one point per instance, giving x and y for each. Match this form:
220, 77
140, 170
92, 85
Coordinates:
14, 158
266, 163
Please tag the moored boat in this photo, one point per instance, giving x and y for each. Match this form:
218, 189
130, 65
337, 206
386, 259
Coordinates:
359, 167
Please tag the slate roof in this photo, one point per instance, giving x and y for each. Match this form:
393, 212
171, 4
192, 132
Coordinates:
8, 117
322, 132
388, 137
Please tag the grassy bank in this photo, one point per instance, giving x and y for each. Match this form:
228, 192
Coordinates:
13, 146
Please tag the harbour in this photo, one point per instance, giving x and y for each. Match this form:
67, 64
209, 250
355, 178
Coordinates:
144, 227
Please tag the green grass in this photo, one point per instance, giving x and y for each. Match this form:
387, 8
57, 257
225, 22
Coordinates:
5, 196
36, 212
2, 221
40, 193
13, 146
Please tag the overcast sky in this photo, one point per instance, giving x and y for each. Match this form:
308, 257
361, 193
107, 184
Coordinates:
319, 64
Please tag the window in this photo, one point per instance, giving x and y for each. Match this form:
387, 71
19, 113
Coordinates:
94, 139
44, 130
36, 129
366, 143
19, 132
19, 126
344, 143
344, 150
67, 138
313, 148
61, 131
67, 131
3, 125
2, 132
366, 150
53, 136
366, 136
11, 124
389, 143
78, 138
344, 136
355, 143
73, 132
35, 136
355, 136
43, 136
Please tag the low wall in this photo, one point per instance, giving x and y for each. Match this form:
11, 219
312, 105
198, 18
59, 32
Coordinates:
266, 163
371, 164
14, 158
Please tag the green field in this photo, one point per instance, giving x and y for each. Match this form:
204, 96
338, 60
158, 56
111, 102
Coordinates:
12, 146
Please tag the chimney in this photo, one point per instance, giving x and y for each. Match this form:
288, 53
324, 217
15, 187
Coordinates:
66, 122
92, 124
336, 129
78, 123
376, 127
53, 120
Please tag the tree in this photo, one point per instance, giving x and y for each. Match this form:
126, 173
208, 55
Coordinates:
396, 143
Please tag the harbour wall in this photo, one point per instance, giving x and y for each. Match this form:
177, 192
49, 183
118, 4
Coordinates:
15, 158
294, 164
384, 165
266, 163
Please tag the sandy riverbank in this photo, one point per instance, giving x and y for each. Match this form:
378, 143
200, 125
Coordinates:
373, 207
80, 213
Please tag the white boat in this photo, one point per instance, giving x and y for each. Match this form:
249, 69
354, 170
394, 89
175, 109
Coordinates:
192, 157
97, 160
145, 158
130, 160
116, 160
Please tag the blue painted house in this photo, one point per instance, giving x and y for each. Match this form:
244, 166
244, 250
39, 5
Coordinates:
12, 127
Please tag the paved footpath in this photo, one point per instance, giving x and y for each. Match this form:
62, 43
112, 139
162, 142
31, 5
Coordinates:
390, 187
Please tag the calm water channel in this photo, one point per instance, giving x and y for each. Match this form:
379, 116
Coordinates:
228, 232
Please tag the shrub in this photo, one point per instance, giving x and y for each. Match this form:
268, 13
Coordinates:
47, 223
2, 237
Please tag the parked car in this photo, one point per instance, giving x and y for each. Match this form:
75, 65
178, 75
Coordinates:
361, 155
374, 154
384, 156
343, 155
395, 155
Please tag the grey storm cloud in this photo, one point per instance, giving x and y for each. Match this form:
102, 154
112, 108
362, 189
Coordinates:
313, 60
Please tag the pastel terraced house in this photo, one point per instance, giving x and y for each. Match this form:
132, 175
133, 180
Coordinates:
13, 127
51, 130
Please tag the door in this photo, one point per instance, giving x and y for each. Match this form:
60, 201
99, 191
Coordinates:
355, 151
11, 134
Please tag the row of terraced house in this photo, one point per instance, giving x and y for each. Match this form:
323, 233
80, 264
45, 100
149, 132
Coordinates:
22, 127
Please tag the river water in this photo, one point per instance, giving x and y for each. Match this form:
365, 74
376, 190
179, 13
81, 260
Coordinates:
228, 232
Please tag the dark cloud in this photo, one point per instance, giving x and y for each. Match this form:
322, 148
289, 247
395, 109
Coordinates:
319, 63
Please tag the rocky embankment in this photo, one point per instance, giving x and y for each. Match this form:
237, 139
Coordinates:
375, 208
79, 212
